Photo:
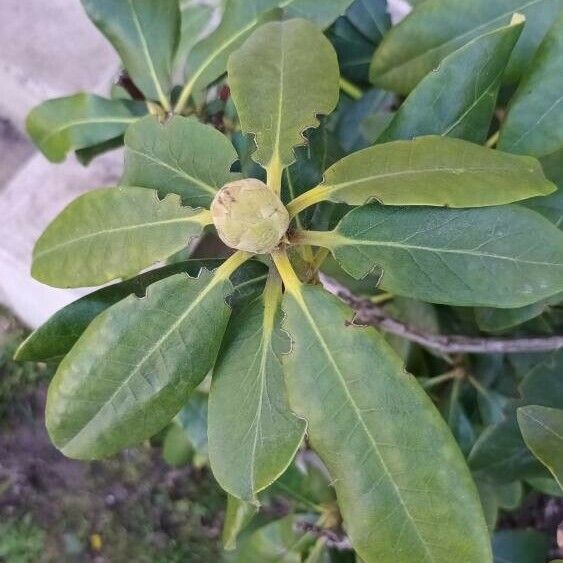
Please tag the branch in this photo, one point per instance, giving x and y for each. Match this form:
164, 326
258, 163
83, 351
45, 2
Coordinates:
372, 314
333, 539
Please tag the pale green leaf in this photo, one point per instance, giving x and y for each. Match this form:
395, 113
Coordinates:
237, 517
463, 109
504, 256
432, 170
436, 28
76, 122
320, 13
253, 435
207, 60
542, 429
176, 448
273, 100
402, 485
534, 124
181, 156
112, 233
135, 366
145, 34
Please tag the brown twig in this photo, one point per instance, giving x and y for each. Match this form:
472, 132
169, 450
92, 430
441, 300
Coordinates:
372, 314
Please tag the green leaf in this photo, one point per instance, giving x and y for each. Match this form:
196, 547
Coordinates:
520, 546
253, 435
465, 108
395, 467
113, 233
135, 366
432, 170
176, 449
320, 13
193, 420
497, 320
62, 125
542, 429
436, 28
498, 257
195, 20
277, 542
272, 99
181, 156
237, 517
145, 33
534, 124
54, 339
207, 60
356, 35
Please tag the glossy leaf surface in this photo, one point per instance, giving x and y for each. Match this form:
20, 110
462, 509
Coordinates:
464, 109
434, 170
252, 443
402, 485
112, 233
54, 339
135, 366
145, 34
273, 101
181, 156
76, 122
436, 28
499, 256
534, 124
542, 429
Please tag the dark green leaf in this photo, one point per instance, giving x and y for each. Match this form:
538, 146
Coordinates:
181, 156
253, 435
77, 122
520, 546
465, 107
498, 256
113, 233
145, 34
436, 28
534, 124
135, 366
395, 467
53, 340
438, 171
273, 102
542, 429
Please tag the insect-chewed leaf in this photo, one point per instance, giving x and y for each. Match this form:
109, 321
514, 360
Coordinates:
534, 124
438, 27
54, 339
181, 156
112, 233
136, 364
433, 170
208, 59
465, 108
76, 122
542, 429
272, 99
321, 13
402, 485
497, 257
145, 34
253, 435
